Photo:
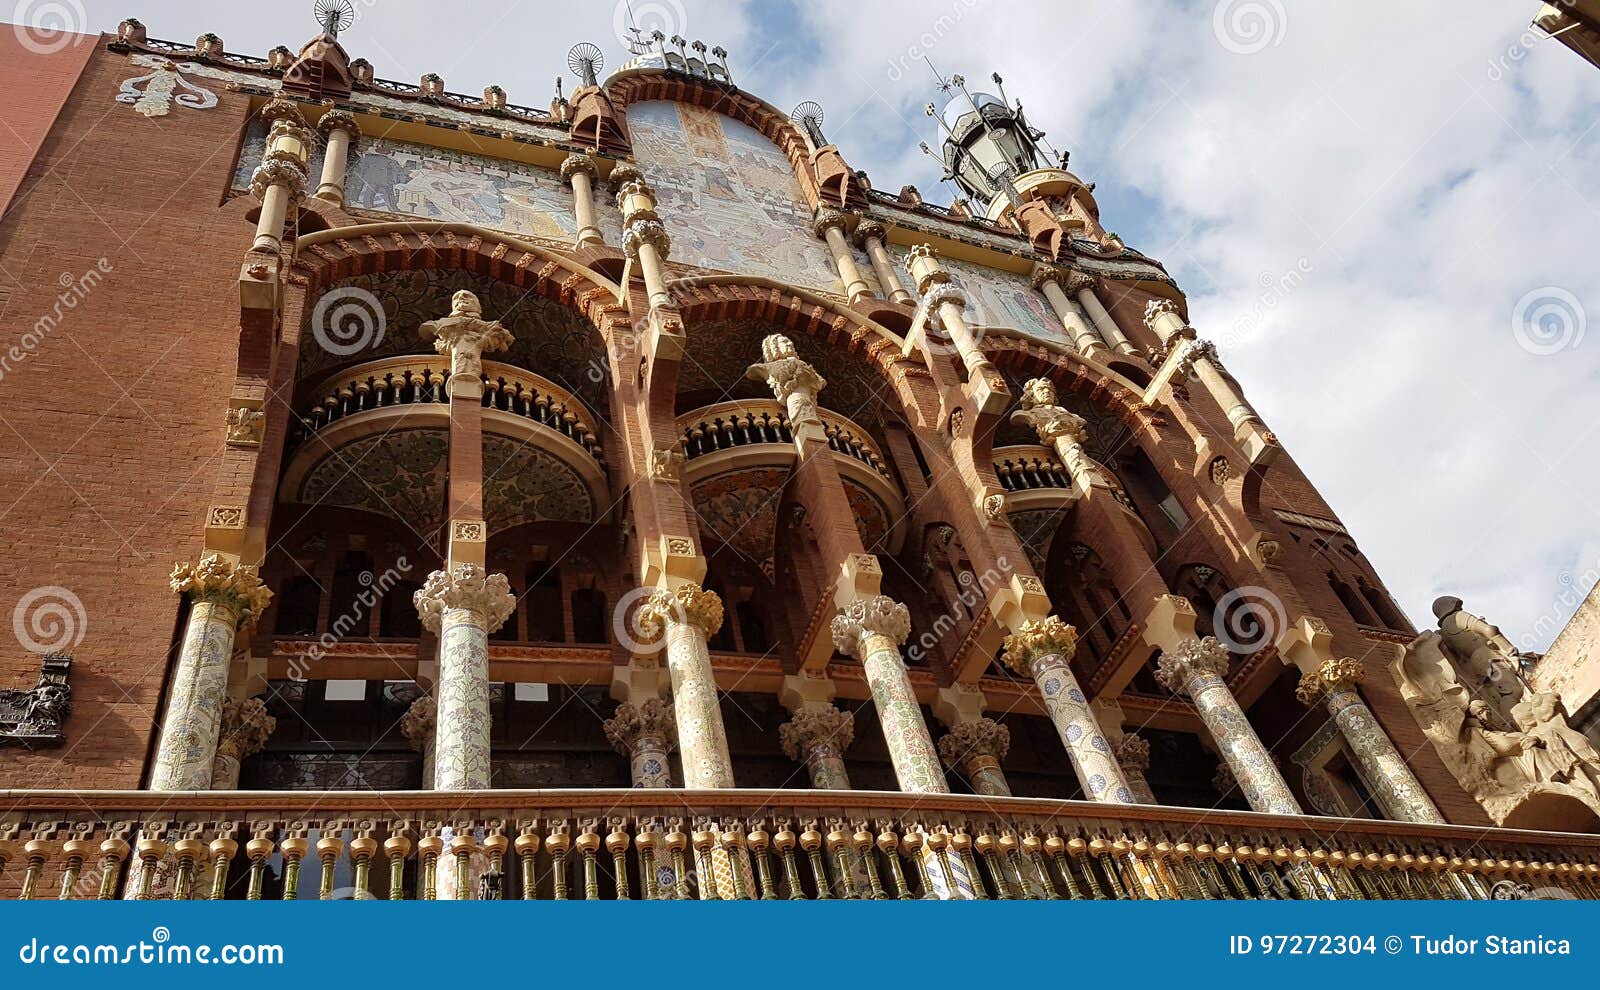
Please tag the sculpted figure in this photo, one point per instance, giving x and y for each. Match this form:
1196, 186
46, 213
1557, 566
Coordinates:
794, 382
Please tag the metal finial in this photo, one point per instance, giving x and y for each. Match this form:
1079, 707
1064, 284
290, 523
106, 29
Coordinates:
586, 61
335, 15
809, 116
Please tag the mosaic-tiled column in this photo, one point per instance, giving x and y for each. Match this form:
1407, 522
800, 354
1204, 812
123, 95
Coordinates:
246, 727
1133, 756
223, 597
417, 725
818, 738
871, 630
579, 171
1042, 649
463, 606
686, 616
1196, 668
1396, 787
645, 733
974, 749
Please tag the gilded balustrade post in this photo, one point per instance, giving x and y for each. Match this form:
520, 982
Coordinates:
222, 852
687, 615
872, 630
113, 852
224, 597
463, 605
1042, 649
75, 853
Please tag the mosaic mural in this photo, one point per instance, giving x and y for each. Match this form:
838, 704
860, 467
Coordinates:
523, 483
740, 509
998, 300
550, 339
402, 474
729, 196
442, 184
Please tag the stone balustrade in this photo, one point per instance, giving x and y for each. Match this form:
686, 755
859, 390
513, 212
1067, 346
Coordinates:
666, 844
760, 421
423, 380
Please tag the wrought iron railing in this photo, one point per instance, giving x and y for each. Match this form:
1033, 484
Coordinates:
1029, 466
740, 844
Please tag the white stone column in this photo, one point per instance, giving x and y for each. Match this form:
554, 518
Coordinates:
948, 304
1196, 669
872, 237
223, 597
686, 616
579, 171
818, 737
1048, 281
1081, 287
341, 134
645, 733
871, 630
1043, 649
974, 749
1199, 359
280, 180
830, 226
463, 605
645, 238
246, 727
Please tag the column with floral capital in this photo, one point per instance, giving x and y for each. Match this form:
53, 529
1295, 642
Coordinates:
818, 738
463, 605
871, 630
645, 733
1396, 787
1042, 649
974, 749
246, 727
1196, 668
223, 597
417, 725
686, 616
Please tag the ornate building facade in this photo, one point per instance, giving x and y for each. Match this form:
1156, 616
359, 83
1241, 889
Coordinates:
706, 521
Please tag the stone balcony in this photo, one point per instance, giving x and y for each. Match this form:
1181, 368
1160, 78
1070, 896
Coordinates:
739, 844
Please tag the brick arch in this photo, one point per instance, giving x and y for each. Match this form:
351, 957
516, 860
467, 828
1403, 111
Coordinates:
325, 257
646, 84
791, 309
1071, 373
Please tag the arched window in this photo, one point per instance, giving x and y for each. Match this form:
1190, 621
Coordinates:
589, 623
1352, 602
546, 621
298, 601
398, 618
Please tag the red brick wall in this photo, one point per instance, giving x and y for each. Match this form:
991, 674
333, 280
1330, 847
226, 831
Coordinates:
112, 424
36, 84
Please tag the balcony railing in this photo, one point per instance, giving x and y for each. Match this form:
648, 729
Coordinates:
1028, 466
417, 380
740, 423
737, 844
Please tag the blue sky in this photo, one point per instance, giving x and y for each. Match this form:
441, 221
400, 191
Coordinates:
1426, 173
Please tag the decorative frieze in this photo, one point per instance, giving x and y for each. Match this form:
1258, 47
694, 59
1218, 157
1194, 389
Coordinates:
35, 718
